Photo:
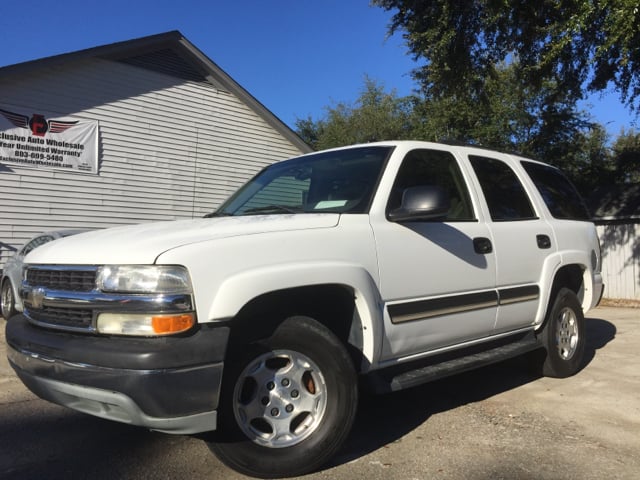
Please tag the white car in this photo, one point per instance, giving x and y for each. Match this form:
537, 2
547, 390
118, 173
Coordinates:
12, 271
383, 266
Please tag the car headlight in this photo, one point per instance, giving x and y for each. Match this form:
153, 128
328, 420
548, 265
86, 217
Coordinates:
163, 283
158, 279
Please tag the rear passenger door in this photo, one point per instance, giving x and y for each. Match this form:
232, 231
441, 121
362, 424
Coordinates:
522, 240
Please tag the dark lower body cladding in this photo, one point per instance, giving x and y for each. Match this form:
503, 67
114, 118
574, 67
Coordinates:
169, 384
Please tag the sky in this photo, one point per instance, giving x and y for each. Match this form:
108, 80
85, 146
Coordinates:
296, 57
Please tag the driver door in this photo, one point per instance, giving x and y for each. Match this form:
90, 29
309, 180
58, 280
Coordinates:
437, 279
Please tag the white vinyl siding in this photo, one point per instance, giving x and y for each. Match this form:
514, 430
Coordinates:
168, 149
620, 260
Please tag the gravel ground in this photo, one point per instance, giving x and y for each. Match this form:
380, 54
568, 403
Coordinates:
494, 423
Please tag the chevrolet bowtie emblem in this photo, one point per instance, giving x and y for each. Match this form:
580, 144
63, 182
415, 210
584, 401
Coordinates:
37, 297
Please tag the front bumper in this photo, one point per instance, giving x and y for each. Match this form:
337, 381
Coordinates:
169, 384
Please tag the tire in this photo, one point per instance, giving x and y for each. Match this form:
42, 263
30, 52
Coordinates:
7, 302
563, 336
288, 404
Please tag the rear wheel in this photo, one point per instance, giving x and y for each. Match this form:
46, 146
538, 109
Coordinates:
563, 336
287, 404
7, 302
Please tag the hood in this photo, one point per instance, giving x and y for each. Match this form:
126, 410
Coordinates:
142, 244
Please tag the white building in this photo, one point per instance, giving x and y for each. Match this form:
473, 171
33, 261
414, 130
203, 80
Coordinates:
166, 134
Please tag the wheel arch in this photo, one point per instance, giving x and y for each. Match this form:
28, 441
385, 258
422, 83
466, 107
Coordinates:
570, 276
344, 298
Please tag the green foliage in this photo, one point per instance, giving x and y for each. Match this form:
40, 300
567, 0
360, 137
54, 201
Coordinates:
505, 113
376, 115
571, 43
626, 157
309, 131
589, 162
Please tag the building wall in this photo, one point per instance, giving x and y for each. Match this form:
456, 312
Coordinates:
620, 260
168, 149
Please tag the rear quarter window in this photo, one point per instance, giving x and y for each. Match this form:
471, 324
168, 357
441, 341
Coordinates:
559, 194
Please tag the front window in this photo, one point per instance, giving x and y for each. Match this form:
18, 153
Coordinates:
341, 181
434, 168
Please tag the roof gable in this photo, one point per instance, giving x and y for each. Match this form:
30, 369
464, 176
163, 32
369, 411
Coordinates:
169, 53
166, 61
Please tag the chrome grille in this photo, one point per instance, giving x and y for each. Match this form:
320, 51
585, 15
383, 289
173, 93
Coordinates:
55, 296
64, 317
62, 279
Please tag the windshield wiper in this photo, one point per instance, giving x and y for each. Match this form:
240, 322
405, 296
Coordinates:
273, 208
217, 214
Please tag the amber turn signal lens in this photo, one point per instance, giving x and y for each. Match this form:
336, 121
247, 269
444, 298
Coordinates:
172, 323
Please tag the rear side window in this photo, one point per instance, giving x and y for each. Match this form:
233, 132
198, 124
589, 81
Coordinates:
505, 195
561, 197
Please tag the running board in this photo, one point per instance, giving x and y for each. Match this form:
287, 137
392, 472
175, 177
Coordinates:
399, 377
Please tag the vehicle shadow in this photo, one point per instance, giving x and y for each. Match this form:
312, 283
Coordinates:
385, 419
599, 333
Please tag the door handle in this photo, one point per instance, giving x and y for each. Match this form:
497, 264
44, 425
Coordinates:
482, 245
544, 241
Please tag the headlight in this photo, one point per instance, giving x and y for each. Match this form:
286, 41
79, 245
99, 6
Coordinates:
160, 283
158, 279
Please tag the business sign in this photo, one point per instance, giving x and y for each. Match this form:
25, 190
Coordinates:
46, 141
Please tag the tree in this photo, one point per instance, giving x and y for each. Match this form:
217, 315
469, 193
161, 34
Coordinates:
310, 131
375, 115
626, 156
506, 113
590, 163
574, 44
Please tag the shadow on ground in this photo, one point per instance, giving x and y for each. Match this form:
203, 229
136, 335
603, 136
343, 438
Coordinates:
387, 418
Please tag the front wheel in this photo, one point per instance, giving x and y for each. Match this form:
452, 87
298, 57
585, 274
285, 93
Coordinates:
7, 302
563, 336
287, 404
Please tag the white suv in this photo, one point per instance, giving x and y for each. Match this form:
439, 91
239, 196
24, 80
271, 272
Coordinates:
387, 264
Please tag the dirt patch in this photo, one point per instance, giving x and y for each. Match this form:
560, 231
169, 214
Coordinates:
620, 302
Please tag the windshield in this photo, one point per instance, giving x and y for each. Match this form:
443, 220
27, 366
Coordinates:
340, 181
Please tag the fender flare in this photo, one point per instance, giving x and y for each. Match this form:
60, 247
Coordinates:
588, 296
555, 263
239, 289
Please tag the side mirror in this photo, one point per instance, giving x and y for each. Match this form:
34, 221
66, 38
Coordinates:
422, 203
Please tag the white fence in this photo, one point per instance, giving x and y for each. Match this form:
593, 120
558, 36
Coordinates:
620, 260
